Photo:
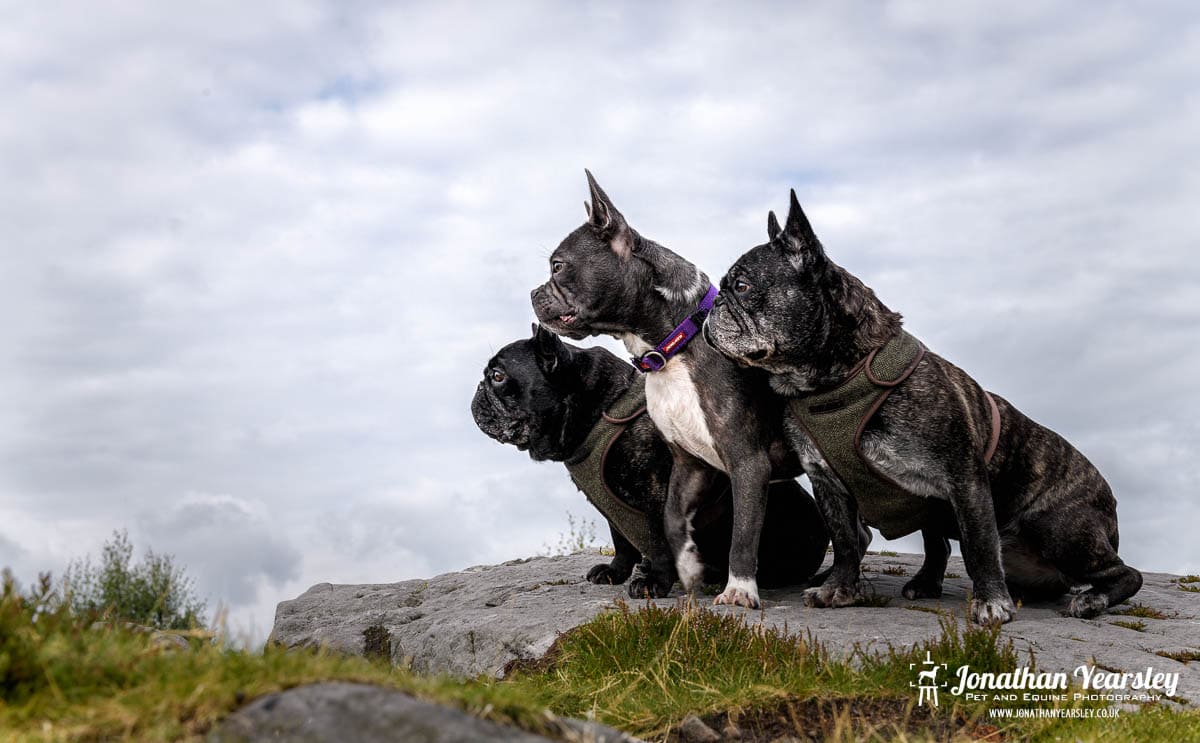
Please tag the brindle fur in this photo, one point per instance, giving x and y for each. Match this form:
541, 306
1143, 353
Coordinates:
553, 394
612, 280
1036, 520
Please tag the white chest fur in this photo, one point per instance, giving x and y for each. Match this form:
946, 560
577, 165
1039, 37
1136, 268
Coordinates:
674, 406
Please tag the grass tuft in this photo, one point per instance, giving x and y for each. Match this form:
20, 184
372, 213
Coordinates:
1183, 656
1138, 626
1141, 610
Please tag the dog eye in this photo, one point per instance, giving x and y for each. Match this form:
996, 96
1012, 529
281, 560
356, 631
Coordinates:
741, 287
556, 266
497, 376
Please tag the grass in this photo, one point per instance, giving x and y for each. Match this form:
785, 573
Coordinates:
1138, 626
894, 570
642, 670
1183, 656
1140, 610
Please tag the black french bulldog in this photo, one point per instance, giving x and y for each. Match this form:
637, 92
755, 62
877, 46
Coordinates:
718, 418
1032, 513
545, 396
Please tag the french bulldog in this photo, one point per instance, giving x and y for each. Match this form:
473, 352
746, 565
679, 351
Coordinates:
1034, 516
544, 396
718, 418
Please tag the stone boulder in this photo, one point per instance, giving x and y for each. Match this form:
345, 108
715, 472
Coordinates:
364, 713
479, 620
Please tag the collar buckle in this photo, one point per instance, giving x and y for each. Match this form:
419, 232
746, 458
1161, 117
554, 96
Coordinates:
656, 358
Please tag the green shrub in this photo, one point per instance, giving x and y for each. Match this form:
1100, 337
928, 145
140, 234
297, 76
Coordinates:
154, 592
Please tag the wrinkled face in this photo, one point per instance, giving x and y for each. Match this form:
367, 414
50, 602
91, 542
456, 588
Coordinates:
770, 309
591, 289
516, 402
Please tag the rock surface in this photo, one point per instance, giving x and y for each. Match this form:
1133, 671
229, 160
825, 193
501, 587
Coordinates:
357, 712
479, 620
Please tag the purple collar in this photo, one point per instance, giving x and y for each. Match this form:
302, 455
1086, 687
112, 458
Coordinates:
656, 359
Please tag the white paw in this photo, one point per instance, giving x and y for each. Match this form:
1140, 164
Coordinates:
740, 592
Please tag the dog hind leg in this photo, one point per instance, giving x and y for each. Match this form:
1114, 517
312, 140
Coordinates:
690, 477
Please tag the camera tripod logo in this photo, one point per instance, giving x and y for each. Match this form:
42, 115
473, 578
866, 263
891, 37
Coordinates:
927, 681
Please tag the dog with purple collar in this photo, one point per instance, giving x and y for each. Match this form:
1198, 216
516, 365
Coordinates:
716, 416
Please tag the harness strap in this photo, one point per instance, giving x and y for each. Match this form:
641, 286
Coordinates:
587, 465
994, 441
836, 418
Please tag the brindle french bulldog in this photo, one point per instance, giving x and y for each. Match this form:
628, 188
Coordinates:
1032, 513
545, 396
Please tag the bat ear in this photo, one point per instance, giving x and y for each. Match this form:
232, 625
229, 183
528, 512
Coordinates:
773, 228
799, 232
607, 221
550, 348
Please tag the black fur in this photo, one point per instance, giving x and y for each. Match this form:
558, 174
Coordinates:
544, 396
1035, 520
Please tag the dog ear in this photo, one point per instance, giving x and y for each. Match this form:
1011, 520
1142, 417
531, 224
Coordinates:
607, 221
773, 228
550, 348
799, 232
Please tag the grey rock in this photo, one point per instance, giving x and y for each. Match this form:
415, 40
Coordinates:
357, 712
694, 730
481, 619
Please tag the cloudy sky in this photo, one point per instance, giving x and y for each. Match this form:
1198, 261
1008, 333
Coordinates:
255, 255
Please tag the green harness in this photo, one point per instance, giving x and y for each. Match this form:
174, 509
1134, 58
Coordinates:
586, 466
835, 420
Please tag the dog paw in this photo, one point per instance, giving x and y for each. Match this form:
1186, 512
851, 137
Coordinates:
835, 595
651, 585
1087, 605
921, 588
605, 573
735, 595
996, 610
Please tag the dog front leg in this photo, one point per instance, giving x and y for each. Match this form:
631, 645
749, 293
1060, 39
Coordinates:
655, 575
990, 600
616, 571
927, 583
844, 586
690, 479
750, 478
